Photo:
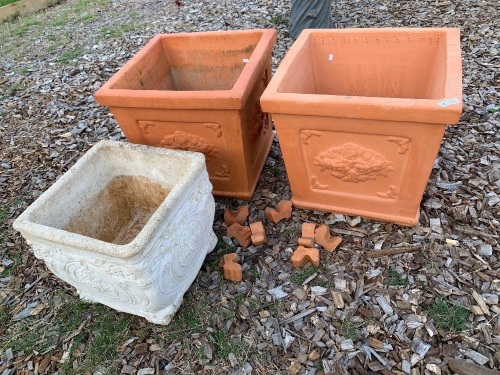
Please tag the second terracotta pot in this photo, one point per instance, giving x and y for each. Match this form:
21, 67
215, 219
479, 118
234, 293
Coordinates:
200, 92
360, 114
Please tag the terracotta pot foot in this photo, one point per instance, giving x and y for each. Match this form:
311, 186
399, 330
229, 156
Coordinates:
232, 269
303, 255
241, 233
323, 238
258, 233
307, 239
283, 211
239, 216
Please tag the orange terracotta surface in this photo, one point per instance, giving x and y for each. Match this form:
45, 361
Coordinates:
258, 233
360, 114
232, 269
241, 233
307, 239
303, 255
283, 211
200, 92
323, 238
306, 242
239, 216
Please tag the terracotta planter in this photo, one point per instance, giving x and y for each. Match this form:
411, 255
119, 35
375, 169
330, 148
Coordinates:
360, 115
200, 92
128, 226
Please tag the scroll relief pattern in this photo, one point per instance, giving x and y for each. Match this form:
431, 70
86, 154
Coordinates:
305, 135
100, 279
224, 172
353, 163
176, 256
391, 193
402, 143
216, 128
189, 142
316, 185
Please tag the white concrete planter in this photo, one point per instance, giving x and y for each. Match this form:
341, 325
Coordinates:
87, 227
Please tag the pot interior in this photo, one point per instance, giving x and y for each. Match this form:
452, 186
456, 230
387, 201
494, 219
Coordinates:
190, 62
370, 64
119, 212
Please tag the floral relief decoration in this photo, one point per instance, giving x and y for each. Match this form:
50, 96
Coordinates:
189, 142
353, 163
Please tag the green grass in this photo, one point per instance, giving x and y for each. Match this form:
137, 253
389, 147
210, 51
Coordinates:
14, 256
299, 276
395, 279
449, 317
11, 90
292, 233
87, 18
4, 315
276, 172
60, 20
25, 26
432, 265
212, 260
279, 20
350, 329
6, 2
72, 321
198, 315
116, 31
254, 302
252, 272
83, 5
493, 108
70, 55
224, 344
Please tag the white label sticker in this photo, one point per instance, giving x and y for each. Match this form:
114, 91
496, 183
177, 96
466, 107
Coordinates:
447, 102
330, 57
245, 60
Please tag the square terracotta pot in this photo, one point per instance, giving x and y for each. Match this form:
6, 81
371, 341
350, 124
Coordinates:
128, 226
200, 92
360, 114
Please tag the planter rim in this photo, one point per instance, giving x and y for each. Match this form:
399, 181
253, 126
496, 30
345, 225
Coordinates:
446, 110
24, 224
234, 98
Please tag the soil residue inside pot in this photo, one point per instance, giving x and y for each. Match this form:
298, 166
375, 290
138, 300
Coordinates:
120, 211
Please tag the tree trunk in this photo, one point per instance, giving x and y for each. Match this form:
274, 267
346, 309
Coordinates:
309, 14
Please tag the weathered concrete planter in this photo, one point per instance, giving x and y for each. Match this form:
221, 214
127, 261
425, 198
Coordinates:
360, 114
200, 92
129, 226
